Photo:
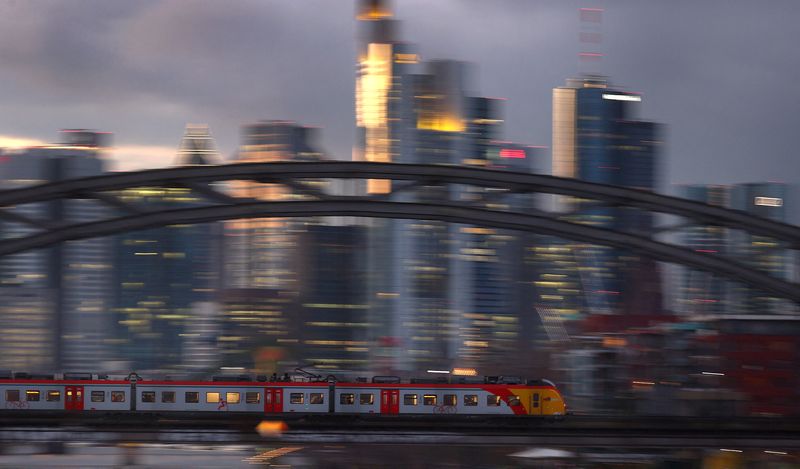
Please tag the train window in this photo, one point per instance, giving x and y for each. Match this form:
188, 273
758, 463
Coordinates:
513, 400
536, 400
492, 400
252, 397
148, 396
470, 400
31, 396
191, 397
366, 399
168, 396
212, 398
117, 396
429, 399
409, 399
98, 396
232, 397
347, 398
450, 399
12, 395
53, 396
316, 398
296, 398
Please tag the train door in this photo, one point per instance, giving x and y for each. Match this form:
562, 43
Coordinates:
73, 398
536, 403
390, 401
273, 400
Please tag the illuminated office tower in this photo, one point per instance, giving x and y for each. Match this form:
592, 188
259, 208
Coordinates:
596, 139
335, 329
161, 273
425, 289
73, 277
702, 293
382, 116
260, 252
766, 200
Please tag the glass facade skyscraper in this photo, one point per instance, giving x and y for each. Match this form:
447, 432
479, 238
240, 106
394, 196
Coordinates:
161, 273
597, 139
73, 277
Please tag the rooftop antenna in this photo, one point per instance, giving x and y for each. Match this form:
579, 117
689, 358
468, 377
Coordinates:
591, 40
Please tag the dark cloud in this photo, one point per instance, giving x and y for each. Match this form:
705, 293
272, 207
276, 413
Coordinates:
720, 73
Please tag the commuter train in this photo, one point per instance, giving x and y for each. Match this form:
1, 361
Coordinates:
381, 395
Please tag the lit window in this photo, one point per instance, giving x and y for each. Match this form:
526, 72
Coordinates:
117, 396
347, 399
296, 398
212, 397
12, 395
191, 397
53, 396
450, 399
98, 396
513, 400
232, 397
316, 398
148, 396
168, 396
470, 400
492, 400
31, 396
429, 399
409, 399
252, 397
366, 399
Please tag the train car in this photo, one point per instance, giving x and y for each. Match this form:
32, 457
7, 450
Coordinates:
449, 399
380, 396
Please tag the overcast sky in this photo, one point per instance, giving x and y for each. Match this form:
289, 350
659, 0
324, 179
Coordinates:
723, 75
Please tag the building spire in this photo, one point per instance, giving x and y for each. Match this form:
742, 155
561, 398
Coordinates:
197, 147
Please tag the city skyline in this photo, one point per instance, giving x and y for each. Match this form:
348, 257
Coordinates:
705, 89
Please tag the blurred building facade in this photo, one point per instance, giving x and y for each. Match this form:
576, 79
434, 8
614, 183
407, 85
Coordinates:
440, 294
596, 138
705, 294
160, 273
334, 320
73, 277
260, 251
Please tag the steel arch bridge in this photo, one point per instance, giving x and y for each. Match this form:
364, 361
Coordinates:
407, 177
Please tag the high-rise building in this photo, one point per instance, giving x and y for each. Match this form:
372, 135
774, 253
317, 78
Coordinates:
160, 273
73, 277
597, 139
335, 328
260, 252
768, 255
702, 293
438, 292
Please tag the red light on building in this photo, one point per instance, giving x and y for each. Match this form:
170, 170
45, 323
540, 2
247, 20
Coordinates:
512, 153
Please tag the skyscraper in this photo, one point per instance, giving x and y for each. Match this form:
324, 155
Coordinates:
73, 277
437, 294
768, 255
161, 273
597, 139
335, 328
260, 251
702, 293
